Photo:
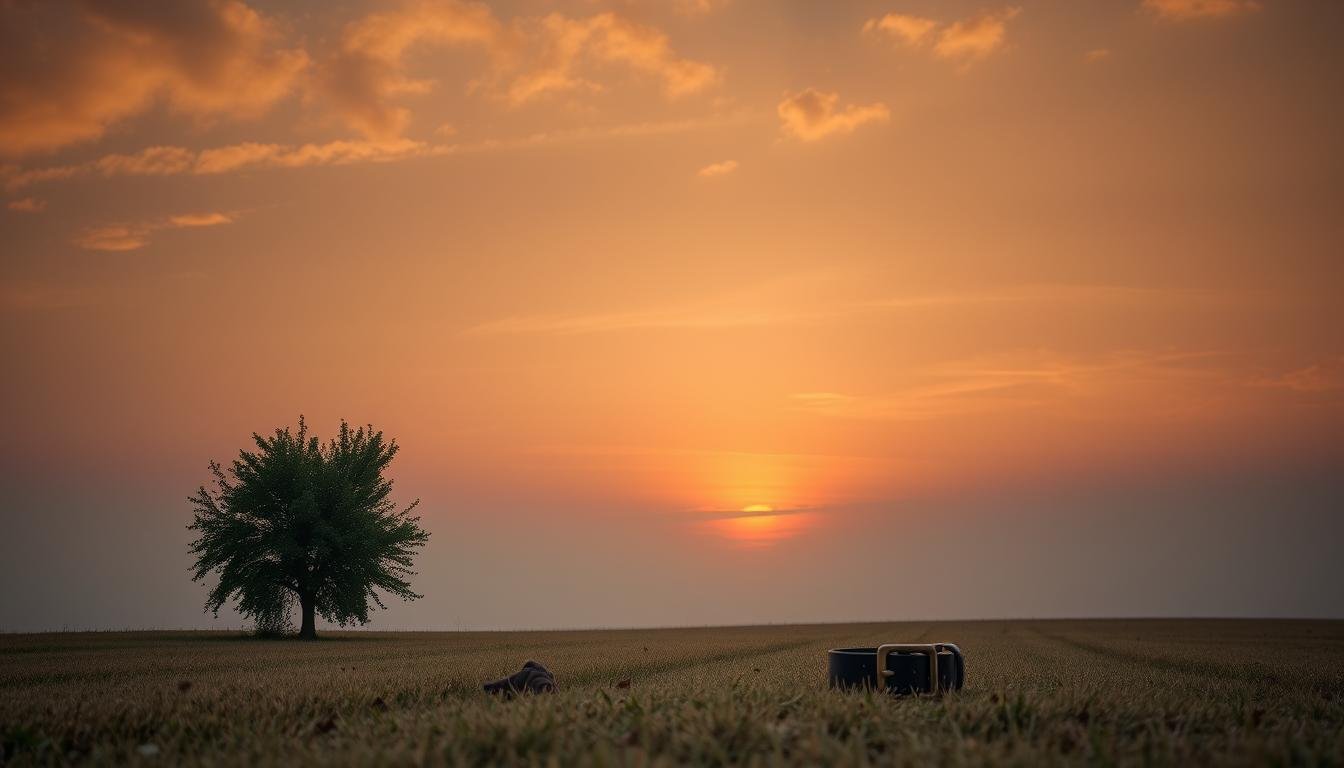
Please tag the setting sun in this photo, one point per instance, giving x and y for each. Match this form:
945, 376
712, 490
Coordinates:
761, 525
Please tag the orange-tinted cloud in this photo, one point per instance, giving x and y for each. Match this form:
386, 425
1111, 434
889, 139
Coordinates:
200, 220
69, 71
1027, 379
697, 7
718, 169
973, 39
911, 30
1325, 376
567, 44
810, 115
130, 237
113, 237
965, 41
1188, 10
224, 159
531, 57
172, 161
768, 305
1097, 54
368, 70
28, 205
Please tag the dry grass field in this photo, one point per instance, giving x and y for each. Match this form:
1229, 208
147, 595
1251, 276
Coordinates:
1038, 693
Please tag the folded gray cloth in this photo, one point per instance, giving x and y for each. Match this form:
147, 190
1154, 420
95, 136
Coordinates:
532, 678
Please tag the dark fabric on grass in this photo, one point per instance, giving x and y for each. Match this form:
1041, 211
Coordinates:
532, 678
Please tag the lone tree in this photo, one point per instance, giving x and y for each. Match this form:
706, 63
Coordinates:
299, 521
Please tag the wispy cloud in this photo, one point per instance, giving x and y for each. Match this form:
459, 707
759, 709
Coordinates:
738, 312
737, 514
173, 161
200, 220
811, 115
32, 296
1097, 54
114, 237
28, 205
1325, 376
130, 237
1194, 10
718, 169
331, 153
1014, 381
698, 7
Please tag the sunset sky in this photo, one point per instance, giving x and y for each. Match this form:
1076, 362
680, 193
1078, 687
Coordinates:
687, 311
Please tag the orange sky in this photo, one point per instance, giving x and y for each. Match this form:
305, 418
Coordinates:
613, 271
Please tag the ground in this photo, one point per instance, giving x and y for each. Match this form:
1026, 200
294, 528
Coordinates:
1038, 693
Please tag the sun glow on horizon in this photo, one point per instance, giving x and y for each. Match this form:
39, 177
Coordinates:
760, 525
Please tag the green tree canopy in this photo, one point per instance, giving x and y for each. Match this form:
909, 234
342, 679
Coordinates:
301, 521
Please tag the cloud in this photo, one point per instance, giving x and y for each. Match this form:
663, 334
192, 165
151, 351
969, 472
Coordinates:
530, 58
698, 7
173, 161
113, 237
966, 41
1327, 376
368, 69
70, 70
810, 115
566, 44
200, 219
28, 205
1018, 380
1097, 54
973, 39
130, 237
911, 30
688, 8
737, 514
1190, 10
753, 310
718, 169
29, 296
224, 159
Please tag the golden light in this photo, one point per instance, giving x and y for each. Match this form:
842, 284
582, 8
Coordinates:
760, 525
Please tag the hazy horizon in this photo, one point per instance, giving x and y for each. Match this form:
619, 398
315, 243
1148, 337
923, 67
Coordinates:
687, 312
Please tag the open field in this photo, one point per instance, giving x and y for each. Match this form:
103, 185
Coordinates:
1226, 692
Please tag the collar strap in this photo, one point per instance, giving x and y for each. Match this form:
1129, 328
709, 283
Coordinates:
899, 667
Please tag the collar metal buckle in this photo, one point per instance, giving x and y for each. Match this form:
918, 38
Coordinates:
928, 649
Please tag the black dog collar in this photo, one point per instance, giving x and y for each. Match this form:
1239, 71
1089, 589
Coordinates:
899, 668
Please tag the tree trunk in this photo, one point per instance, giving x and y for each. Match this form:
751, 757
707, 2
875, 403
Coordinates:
309, 629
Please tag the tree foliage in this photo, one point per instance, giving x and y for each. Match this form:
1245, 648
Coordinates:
299, 521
